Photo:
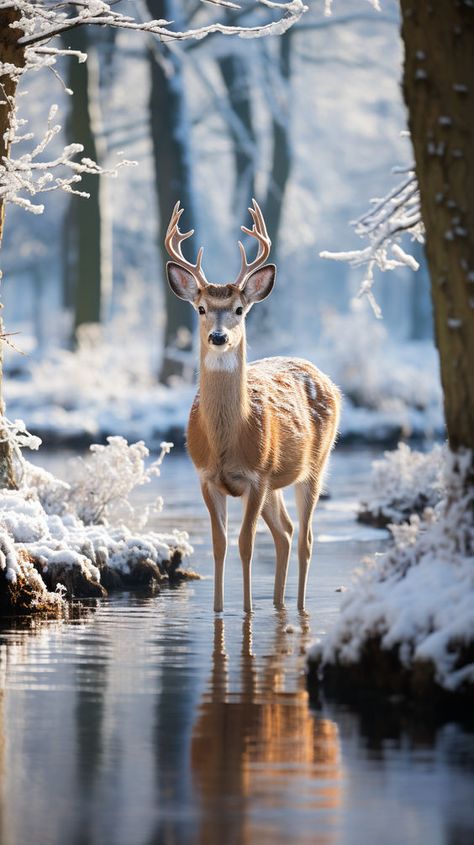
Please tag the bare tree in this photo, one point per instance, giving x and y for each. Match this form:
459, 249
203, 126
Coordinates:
437, 85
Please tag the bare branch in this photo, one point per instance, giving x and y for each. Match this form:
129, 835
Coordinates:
396, 214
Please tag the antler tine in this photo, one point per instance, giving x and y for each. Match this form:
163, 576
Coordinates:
259, 232
173, 241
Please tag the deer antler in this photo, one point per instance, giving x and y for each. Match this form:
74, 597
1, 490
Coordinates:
259, 232
173, 241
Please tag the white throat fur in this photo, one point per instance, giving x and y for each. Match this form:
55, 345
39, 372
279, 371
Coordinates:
226, 361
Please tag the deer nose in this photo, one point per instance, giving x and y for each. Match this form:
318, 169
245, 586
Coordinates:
218, 338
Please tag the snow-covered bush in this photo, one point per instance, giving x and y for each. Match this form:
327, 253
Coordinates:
415, 604
59, 539
101, 483
404, 482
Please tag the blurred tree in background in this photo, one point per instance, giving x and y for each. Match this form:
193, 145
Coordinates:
171, 139
87, 225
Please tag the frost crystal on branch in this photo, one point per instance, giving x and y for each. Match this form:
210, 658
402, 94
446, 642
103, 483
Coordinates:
388, 219
30, 174
45, 19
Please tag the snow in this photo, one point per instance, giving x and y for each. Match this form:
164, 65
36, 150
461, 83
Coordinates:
49, 526
419, 597
100, 389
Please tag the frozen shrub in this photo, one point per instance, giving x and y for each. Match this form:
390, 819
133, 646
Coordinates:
60, 539
404, 482
101, 483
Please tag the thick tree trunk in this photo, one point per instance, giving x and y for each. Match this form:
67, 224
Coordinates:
171, 151
439, 91
12, 53
87, 267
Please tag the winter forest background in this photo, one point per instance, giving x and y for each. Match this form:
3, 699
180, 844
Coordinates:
311, 123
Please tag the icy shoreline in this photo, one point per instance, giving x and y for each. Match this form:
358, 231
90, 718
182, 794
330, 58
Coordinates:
407, 625
62, 540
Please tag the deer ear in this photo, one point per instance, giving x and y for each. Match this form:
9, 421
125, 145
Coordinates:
182, 282
260, 283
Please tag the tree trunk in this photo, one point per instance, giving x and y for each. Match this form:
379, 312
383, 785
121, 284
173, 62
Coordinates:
281, 156
439, 91
172, 158
87, 268
234, 72
421, 310
12, 53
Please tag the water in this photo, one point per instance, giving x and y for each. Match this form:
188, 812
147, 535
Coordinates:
152, 722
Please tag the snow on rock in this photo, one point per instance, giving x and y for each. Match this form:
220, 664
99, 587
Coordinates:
59, 539
417, 601
404, 482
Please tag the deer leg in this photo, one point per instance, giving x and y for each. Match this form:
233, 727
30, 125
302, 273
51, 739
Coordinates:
276, 516
217, 506
253, 507
307, 495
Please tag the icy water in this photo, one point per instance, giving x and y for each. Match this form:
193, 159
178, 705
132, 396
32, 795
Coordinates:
152, 722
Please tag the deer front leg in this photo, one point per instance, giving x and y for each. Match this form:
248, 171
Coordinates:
253, 507
277, 518
217, 506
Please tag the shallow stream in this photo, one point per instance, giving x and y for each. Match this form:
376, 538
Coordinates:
153, 722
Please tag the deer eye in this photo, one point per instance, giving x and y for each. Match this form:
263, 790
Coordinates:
201, 310
239, 310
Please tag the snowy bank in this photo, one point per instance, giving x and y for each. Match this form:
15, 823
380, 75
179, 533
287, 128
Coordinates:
407, 624
71, 540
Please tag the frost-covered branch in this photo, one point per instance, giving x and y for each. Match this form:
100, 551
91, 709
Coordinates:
31, 174
43, 20
389, 218
39, 21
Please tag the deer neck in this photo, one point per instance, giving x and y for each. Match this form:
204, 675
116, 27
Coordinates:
224, 401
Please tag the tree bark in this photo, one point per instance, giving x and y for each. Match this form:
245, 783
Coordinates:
10, 52
438, 87
172, 158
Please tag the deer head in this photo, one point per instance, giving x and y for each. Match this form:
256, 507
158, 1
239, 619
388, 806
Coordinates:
222, 308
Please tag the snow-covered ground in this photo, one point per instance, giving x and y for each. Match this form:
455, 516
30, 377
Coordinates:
61, 539
109, 385
418, 599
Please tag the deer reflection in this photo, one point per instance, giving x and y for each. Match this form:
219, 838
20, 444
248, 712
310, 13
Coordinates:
260, 752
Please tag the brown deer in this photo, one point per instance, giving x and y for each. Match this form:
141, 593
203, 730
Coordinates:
253, 428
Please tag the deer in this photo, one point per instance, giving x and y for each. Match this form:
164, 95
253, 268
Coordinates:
254, 428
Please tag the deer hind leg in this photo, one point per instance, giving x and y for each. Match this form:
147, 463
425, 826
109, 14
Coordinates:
254, 502
307, 495
276, 516
217, 506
